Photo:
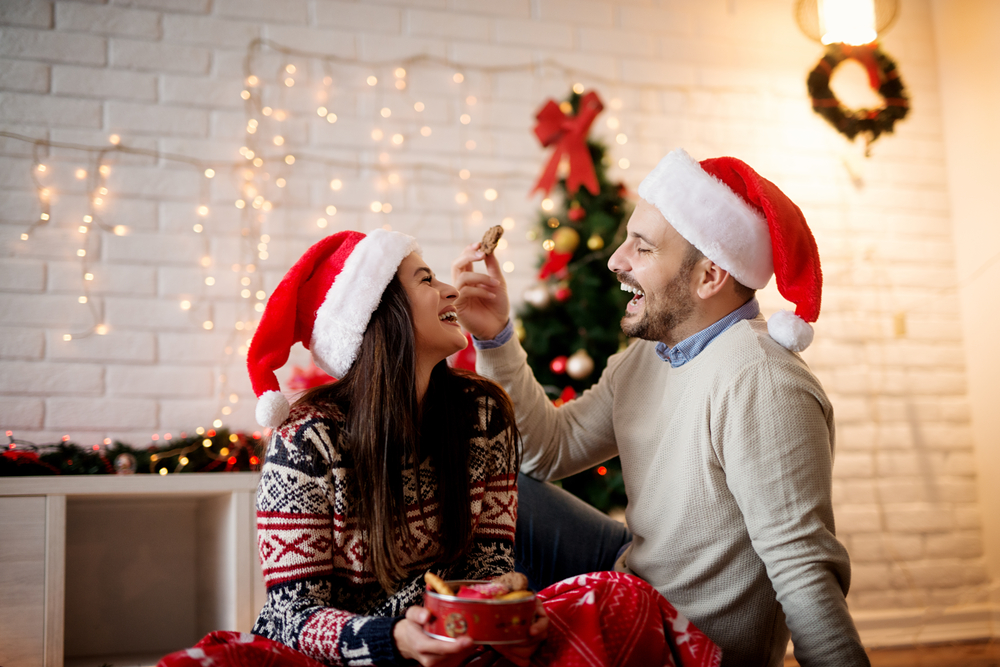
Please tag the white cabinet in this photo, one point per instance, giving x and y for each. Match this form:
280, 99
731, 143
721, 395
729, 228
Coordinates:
124, 569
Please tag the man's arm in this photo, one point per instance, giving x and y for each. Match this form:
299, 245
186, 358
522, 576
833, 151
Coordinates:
775, 442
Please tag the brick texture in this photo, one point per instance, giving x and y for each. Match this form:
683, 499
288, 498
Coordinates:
161, 342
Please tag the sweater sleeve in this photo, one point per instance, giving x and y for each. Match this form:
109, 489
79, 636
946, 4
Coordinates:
556, 442
493, 497
297, 510
774, 438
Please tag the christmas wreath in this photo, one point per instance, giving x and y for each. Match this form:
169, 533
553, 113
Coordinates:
883, 78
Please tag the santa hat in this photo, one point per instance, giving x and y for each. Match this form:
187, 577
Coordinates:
745, 224
323, 302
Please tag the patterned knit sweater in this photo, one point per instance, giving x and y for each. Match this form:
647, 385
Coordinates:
322, 595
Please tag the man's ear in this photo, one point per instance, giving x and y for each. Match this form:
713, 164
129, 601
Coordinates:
710, 278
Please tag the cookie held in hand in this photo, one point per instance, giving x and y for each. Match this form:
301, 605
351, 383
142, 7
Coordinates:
490, 239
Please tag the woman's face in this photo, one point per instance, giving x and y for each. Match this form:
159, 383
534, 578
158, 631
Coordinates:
435, 321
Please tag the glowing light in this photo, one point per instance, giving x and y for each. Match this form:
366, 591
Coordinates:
289, 82
612, 122
397, 139
376, 206
425, 131
490, 194
226, 410
209, 173
331, 118
41, 168
208, 325
458, 77
321, 223
115, 139
280, 115
103, 191
470, 144
24, 237
279, 140
209, 281
43, 216
548, 244
322, 111
162, 471
252, 80
289, 159
257, 162
601, 470
81, 253
621, 138
507, 224
82, 229
477, 216
502, 244
82, 299
465, 119
267, 111
185, 305
88, 218
400, 72
331, 210
104, 170
377, 134
327, 80
280, 182
246, 293
98, 201
44, 193
387, 208
464, 174
418, 106
88, 276
847, 21
400, 84
336, 184
508, 267
245, 94
206, 261
548, 204
183, 460
461, 197
372, 80
470, 100
624, 163
393, 179
203, 211
290, 69
67, 337
259, 307
81, 174
385, 112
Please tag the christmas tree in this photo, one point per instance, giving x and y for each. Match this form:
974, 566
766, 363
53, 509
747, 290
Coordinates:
569, 325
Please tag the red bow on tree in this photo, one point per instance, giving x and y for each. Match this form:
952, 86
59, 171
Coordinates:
569, 134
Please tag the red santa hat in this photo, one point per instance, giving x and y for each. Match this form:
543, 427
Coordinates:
745, 224
324, 302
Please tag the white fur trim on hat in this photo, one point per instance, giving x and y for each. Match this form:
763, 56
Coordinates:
272, 409
791, 331
354, 295
713, 218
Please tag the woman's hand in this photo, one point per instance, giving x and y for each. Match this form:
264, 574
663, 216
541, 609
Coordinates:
520, 654
413, 644
483, 305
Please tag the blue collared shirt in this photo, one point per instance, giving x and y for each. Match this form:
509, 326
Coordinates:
678, 355
690, 347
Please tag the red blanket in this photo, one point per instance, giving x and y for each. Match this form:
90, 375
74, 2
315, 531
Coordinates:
603, 619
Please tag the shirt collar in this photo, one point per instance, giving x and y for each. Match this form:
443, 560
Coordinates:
691, 347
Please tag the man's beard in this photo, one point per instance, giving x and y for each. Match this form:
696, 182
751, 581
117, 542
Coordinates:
675, 305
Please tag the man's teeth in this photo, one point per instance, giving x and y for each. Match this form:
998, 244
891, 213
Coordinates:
450, 316
633, 290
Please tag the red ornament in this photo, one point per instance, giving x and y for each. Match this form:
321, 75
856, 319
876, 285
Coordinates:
466, 358
576, 213
556, 262
563, 294
569, 134
567, 395
558, 365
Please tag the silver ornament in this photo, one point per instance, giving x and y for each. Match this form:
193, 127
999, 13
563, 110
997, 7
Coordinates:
537, 295
579, 365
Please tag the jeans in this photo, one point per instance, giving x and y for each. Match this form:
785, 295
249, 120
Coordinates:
560, 536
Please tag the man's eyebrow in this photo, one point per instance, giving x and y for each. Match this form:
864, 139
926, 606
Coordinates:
641, 238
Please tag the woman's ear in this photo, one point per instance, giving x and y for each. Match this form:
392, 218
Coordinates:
709, 278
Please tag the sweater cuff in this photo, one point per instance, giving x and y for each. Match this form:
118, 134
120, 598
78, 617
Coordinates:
505, 335
375, 632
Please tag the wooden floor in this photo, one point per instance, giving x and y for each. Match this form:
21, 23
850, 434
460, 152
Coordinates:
940, 655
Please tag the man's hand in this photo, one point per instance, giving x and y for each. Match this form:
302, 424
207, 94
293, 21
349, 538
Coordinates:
413, 644
483, 305
520, 654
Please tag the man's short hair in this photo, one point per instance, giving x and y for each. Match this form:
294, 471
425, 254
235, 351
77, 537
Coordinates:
694, 256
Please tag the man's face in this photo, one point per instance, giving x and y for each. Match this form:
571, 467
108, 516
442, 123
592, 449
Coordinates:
655, 263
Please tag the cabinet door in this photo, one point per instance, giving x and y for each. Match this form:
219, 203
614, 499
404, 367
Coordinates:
22, 581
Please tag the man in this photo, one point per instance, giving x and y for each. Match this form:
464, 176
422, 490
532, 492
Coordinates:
725, 435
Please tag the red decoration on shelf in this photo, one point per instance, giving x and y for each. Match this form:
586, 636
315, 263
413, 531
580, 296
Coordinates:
307, 378
569, 134
558, 365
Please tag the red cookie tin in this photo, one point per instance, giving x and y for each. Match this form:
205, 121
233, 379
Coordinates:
486, 621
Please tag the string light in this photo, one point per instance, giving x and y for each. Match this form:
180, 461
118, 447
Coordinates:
621, 138
465, 119
624, 163
418, 106
331, 118
490, 194
425, 131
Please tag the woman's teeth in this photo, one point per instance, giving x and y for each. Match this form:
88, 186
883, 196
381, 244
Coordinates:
450, 316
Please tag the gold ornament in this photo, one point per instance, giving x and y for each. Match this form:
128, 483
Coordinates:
595, 242
579, 365
566, 239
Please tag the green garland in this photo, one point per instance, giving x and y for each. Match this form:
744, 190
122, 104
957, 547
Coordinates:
213, 451
872, 122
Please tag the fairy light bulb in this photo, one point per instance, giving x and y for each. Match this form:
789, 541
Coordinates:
210, 173
397, 139
400, 72
43, 216
41, 168
245, 94
104, 170
208, 325
621, 138
279, 140
331, 118
458, 77
578, 88
185, 305
418, 106
336, 184
461, 197
252, 80
376, 206
624, 163
115, 139
425, 131
101, 329
203, 211
507, 223
80, 174
385, 112
490, 194
331, 210
465, 119
547, 204
372, 80
289, 159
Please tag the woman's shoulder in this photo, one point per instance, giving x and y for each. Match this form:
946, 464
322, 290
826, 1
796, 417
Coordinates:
311, 429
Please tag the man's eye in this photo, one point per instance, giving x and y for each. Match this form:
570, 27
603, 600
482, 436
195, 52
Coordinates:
642, 250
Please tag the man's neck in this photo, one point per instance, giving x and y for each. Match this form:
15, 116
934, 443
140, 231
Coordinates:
705, 315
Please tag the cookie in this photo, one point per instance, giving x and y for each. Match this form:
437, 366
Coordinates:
490, 239
437, 583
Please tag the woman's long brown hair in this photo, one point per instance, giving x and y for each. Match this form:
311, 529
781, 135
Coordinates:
385, 429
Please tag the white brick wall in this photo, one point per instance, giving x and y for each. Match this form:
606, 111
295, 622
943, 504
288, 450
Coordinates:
717, 78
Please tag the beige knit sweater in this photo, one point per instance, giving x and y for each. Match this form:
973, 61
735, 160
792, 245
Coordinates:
727, 466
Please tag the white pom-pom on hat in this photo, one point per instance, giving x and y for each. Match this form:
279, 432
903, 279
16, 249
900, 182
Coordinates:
272, 409
791, 331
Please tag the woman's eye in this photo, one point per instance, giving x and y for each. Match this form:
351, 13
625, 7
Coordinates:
427, 279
